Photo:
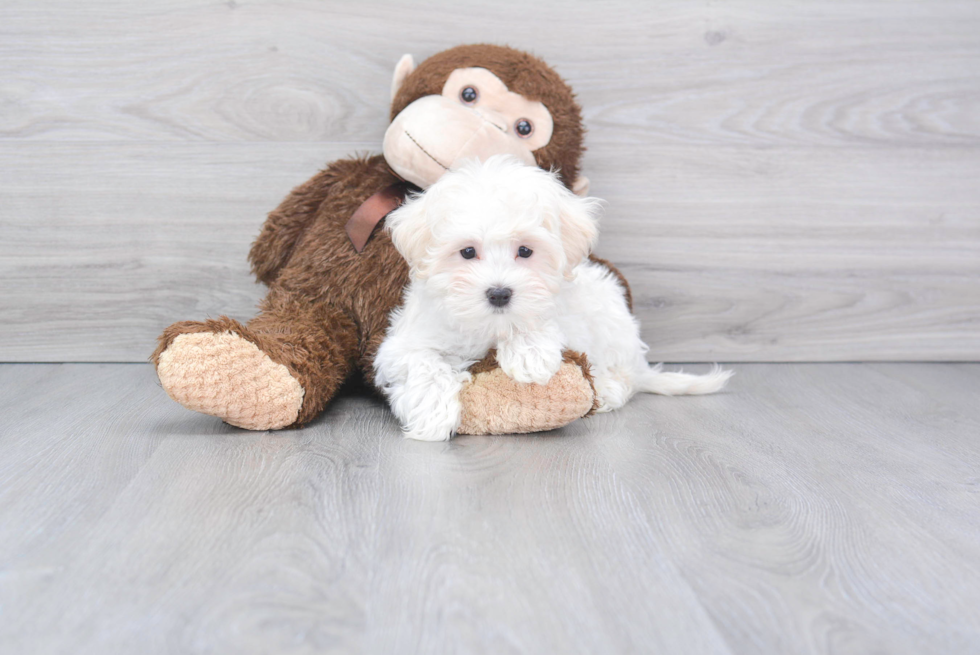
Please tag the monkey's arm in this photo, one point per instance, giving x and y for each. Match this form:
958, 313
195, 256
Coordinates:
287, 223
493, 403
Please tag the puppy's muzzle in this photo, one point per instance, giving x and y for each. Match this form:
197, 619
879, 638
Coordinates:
499, 296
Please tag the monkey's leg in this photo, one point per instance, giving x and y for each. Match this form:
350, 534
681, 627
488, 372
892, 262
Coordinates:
495, 404
278, 371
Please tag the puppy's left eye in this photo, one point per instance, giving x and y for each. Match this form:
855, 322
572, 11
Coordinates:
524, 251
468, 253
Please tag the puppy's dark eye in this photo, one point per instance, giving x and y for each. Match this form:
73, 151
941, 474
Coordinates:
469, 95
523, 127
524, 251
468, 253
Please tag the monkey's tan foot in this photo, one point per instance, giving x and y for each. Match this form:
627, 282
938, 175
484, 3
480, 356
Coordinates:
495, 404
223, 374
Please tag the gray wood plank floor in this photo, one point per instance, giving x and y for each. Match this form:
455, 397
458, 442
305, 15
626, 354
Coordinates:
821, 508
791, 181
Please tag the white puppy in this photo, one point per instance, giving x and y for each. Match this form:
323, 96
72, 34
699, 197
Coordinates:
498, 255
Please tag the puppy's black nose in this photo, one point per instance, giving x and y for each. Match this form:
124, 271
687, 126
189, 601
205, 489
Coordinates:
499, 296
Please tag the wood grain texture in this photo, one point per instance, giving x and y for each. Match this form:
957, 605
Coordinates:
821, 508
791, 182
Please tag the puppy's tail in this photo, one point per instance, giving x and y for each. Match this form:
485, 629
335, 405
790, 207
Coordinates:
680, 383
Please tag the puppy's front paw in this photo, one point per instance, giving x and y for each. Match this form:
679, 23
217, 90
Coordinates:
432, 411
530, 363
439, 424
420, 434
424, 395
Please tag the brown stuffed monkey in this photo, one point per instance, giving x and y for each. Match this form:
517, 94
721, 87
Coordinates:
333, 277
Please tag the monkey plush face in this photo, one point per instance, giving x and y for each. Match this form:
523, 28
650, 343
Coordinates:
473, 102
474, 117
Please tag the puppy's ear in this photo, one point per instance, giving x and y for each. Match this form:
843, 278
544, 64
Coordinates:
578, 220
410, 232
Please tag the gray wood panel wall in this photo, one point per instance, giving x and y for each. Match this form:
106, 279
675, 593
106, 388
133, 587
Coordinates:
786, 181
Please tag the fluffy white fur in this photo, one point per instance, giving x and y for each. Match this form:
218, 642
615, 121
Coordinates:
560, 300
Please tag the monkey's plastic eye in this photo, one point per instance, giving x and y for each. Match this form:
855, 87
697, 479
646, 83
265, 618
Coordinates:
523, 127
524, 251
469, 95
468, 253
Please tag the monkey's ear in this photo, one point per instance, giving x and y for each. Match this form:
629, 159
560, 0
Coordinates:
403, 69
581, 186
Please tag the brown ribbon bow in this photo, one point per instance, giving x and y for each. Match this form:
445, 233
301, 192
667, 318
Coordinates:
362, 224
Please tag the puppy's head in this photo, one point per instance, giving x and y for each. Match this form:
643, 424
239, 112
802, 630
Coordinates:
494, 240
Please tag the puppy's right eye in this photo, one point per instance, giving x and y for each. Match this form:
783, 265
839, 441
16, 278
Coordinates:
468, 253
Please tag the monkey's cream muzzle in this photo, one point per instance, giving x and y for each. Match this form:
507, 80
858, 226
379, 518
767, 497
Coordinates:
432, 135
